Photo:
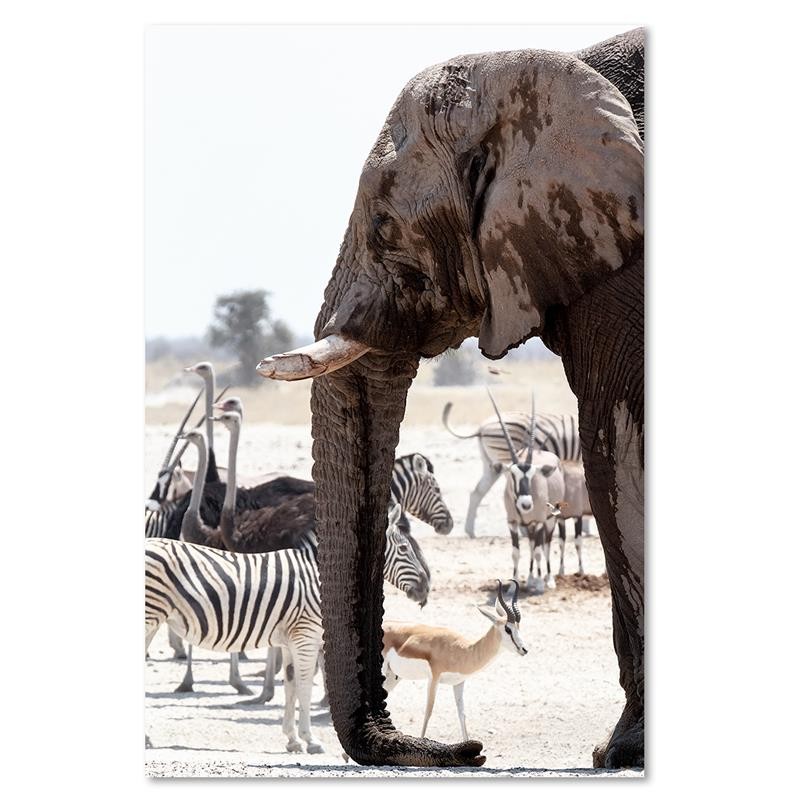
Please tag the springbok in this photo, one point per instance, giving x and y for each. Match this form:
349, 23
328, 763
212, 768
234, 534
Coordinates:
441, 655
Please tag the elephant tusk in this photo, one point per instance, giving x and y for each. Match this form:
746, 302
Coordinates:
326, 355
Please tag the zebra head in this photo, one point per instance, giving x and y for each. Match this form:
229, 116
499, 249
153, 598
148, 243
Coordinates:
415, 487
405, 566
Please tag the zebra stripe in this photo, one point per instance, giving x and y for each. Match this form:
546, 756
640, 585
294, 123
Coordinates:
416, 489
156, 522
231, 602
556, 433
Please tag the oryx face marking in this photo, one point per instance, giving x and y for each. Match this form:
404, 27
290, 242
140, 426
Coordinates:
522, 474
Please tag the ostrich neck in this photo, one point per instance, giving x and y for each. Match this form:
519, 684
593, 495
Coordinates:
210, 390
230, 487
199, 478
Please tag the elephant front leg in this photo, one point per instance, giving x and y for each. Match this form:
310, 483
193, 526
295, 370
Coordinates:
620, 517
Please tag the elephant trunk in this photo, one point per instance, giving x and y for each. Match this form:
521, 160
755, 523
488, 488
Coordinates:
356, 415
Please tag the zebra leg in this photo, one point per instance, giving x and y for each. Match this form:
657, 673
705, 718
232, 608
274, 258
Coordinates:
562, 542
478, 493
458, 693
579, 543
268, 687
187, 684
176, 643
234, 678
515, 549
294, 745
324, 702
305, 659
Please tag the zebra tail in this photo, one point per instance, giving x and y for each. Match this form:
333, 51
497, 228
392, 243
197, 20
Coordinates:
446, 415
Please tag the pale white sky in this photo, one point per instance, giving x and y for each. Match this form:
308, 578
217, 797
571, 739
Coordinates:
255, 137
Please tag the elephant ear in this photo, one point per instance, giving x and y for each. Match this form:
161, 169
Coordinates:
557, 188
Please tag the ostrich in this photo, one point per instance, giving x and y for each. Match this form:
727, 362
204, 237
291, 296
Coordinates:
242, 481
205, 370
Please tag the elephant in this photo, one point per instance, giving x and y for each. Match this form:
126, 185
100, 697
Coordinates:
503, 199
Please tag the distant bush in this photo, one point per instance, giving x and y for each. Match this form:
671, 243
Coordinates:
455, 369
243, 323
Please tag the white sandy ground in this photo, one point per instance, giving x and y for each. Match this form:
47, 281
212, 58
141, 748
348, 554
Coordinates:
537, 716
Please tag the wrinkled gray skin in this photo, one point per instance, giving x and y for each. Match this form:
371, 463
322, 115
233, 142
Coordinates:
503, 199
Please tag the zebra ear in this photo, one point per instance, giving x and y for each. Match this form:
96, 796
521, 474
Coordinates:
420, 465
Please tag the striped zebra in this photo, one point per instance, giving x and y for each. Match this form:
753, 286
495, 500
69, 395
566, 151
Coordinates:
415, 488
229, 602
556, 433
156, 520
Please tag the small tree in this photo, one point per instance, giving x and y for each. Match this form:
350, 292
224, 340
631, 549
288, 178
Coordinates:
455, 368
243, 323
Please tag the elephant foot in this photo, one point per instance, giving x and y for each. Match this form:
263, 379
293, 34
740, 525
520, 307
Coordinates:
625, 747
294, 746
315, 747
377, 743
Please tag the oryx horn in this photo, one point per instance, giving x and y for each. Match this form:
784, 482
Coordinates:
529, 457
503, 426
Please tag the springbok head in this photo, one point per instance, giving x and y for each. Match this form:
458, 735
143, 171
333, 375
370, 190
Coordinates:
506, 620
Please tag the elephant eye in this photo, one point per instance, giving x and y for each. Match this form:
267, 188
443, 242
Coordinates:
381, 224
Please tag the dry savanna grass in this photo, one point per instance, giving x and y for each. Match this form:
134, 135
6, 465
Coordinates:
169, 391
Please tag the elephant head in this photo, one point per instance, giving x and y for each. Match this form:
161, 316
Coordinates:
501, 185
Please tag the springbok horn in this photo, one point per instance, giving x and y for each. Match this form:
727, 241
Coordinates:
502, 600
529, 457
505, 430
180, 431
185, 446
514, 606
327, 355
